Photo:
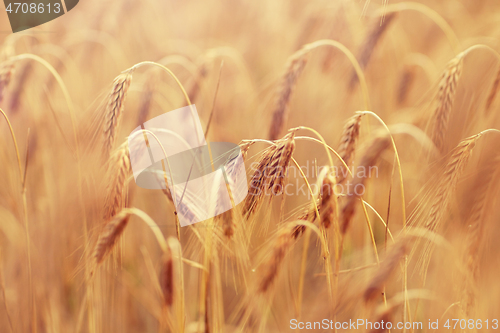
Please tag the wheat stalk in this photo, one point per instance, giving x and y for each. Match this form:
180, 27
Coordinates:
481, 196
457, 162
452, 172
378, 146
281, 245
370, 43
108, 237
114, 110
295, 66
445, 97
328, 213
119, 169
271, 172
347, 144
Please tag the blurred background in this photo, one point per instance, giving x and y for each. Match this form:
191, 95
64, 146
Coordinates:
402, 56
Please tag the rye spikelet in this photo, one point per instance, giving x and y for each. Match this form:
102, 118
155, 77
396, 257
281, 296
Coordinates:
167, 278
114, 110
370, 43
445, 97
384, 272
270, 173
493, 91
108, 237
6, 72
294, 68
453, 170
348, 144
378, 146
118, 171
280, 248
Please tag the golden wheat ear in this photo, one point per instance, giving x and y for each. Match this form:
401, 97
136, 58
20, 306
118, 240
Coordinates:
109, 236
441, 194
270, 173
114, 110
118, 171
386, 269
294, 68
373, 153
280, 247
370, 43
445, 98
347, 144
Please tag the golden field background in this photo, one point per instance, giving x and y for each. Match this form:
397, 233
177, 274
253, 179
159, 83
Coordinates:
49, 230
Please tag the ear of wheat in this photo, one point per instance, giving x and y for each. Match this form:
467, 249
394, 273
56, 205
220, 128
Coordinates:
270, 173
347, 145
118, 171
445, 98
452, 172
114, 110
328, 213
387, 267
108, 237
370, 43
378, 146
294, 68
482, 195
442, 194
280, 247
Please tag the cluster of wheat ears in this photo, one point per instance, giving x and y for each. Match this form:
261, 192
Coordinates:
83, 249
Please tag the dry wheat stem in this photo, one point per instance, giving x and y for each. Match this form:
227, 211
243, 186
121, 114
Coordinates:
119, 169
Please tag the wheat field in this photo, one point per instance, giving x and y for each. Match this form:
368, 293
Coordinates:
368, 130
